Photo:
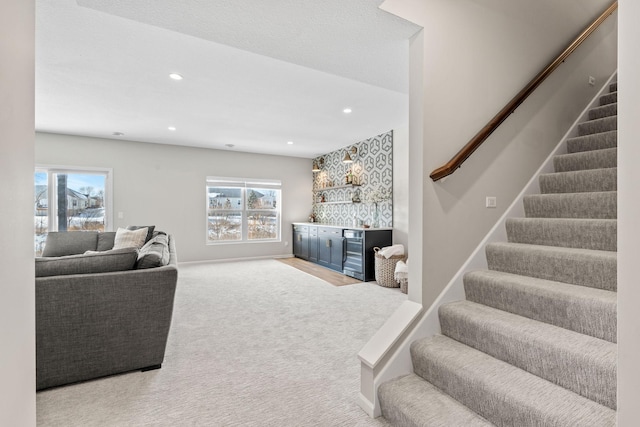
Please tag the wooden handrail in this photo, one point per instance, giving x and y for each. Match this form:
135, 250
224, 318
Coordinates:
471, 146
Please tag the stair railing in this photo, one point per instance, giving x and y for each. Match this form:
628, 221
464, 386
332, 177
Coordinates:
456, 161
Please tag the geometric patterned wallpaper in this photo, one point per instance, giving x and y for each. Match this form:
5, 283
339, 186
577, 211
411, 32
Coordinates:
372, 168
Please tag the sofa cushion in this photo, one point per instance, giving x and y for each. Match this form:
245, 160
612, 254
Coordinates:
61, 243
149, 228
106, 240
130, 238
155, 253
92, 262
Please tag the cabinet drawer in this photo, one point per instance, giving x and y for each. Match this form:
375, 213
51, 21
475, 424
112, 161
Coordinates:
301, 228
313, 231
330, 231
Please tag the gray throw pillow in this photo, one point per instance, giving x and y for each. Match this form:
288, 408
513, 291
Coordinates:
106, 240
95, 262
61, 243
155, 253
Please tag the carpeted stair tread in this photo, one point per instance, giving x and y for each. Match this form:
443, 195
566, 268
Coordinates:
410, 401
596, 159
572, 205
598, 141
593, 180
501, 393
604, 124
577, 362
609, 98
603, 111
585, 267
581, 309
613, 87
598, 234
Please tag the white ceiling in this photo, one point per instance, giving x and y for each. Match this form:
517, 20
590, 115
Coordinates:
257, 73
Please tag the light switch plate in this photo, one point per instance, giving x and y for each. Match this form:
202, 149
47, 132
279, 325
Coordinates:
491, 202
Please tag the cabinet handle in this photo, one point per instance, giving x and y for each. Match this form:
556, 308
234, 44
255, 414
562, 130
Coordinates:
328, 243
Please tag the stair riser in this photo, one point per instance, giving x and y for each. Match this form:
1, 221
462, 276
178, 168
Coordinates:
596, 180
584, 234
603, 111
597, 159
613, 87
597, 141
598, 126
503, 394
410, 401
588, 311
596, 270
609, 98
584, 365
579, 205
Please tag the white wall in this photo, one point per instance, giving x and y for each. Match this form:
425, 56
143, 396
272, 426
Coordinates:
17, 316
628, 215
401, 186
164, 185
476, 56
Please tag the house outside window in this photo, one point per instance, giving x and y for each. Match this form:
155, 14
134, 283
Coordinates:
242, 210
70, 199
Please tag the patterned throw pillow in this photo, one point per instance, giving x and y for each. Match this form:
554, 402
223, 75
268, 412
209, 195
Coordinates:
130, 238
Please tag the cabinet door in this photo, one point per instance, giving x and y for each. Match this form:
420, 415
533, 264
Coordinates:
324, 250
301, 242
313, 244
326, 236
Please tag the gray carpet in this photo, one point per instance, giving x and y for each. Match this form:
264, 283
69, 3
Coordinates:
254, 343
534, 344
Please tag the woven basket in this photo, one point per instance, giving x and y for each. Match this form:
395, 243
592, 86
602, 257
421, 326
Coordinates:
385, 267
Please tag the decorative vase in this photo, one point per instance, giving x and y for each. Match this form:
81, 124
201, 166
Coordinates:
376, 216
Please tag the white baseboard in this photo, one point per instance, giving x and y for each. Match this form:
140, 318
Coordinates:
366, 405
217, 261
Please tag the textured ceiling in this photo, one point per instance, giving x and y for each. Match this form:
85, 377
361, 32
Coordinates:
256, 73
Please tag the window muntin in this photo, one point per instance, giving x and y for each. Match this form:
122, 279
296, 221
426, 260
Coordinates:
240, 210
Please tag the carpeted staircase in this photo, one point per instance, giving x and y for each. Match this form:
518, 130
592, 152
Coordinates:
534, 343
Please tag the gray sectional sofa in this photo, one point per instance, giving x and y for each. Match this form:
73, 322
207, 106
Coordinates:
102, 312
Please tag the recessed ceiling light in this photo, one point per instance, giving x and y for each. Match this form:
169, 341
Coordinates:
175, 76
229, 145
290, 142
118, 134
347, 110
171, 128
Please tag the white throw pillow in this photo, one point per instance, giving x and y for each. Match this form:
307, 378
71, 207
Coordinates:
130, 238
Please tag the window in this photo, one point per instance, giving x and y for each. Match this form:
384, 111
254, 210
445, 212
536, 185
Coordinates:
240, 210
70, 199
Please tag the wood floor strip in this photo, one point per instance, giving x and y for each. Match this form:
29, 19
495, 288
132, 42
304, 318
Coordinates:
329, 276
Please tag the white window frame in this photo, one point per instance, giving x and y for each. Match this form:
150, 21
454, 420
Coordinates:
243, 184
85, 170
